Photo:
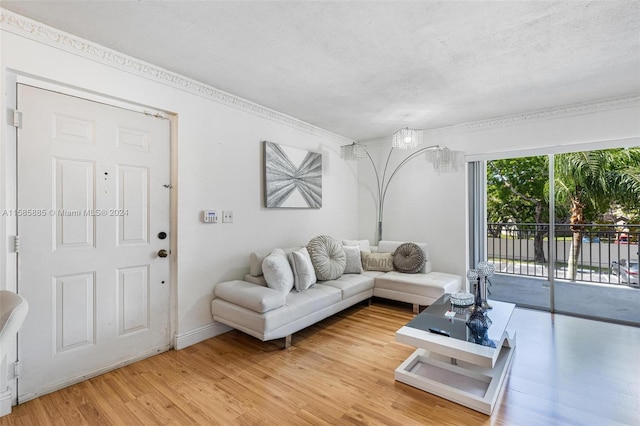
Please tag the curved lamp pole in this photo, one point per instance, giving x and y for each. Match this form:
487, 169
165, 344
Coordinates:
383, 184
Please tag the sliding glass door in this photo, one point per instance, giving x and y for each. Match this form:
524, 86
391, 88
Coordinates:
597, 195
518, 230
583, 258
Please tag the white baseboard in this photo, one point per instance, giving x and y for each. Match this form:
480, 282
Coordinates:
200, 334
5, 403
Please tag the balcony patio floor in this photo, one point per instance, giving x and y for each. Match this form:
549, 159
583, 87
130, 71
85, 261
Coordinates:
611, 302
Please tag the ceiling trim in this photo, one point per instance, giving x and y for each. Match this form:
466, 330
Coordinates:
540, 115
34, 30
517, 119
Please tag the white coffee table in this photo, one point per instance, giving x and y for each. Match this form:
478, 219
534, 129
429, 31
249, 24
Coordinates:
452, 367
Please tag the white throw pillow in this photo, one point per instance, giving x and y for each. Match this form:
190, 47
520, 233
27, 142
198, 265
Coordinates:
363, 244
304, 276
354, 262
277, 271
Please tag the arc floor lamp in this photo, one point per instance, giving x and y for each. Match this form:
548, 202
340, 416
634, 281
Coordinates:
443, 160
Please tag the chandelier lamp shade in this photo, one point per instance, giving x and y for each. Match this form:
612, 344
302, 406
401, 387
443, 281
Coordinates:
353, 152
442, 159
407, 138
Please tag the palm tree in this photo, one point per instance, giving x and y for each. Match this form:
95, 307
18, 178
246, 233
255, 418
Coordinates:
590, 182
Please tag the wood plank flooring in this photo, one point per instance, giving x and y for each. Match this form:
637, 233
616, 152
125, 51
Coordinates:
565, 370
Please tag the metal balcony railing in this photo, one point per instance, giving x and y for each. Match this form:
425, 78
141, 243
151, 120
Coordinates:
523, 249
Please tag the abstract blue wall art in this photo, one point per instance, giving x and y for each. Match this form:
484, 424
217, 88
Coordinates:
293, 177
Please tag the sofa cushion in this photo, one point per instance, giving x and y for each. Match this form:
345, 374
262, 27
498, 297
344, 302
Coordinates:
256, 280
377, 261
255, 264
351, 284
408, 258
362, 244
257, 298
432, 285
303, 273
327, 256
277, 271
354, 262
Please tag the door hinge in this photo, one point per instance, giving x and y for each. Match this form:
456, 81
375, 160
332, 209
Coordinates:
17, 369
16, 244
156, 115
17, 119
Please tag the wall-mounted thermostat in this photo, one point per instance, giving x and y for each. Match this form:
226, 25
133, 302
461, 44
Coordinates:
210, 216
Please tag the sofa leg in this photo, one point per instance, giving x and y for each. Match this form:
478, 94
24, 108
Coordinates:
416, 308
287, 342
370, 301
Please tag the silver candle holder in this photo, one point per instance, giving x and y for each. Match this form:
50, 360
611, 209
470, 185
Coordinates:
485, 270
478, 277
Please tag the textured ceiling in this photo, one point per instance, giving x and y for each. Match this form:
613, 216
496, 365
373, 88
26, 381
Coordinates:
365, 69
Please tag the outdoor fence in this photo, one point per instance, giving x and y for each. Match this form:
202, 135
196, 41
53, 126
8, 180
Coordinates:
511, 246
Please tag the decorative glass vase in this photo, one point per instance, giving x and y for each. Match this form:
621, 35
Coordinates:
478, 325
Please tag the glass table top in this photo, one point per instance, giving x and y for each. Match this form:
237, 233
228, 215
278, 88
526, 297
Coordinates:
434, 317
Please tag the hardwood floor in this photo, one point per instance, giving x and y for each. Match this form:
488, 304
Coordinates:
565, 370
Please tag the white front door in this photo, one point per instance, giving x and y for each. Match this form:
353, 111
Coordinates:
93, 202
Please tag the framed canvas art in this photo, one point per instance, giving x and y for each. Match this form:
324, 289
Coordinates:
293, 177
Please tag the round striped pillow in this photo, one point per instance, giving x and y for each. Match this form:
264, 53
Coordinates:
408, 258
328, 257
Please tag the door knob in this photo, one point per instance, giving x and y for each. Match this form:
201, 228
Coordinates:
163, 253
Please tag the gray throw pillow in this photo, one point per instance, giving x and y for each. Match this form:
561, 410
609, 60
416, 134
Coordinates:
277, 271
354, 261
408, 258
327, 256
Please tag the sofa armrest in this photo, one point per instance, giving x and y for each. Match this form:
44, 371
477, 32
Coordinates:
251, 296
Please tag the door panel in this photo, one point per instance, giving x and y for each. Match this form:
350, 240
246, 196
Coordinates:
88, 177
133, 199
74, 311
74, 183
133, 288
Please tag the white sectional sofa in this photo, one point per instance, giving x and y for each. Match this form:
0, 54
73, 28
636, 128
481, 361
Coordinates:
269, 312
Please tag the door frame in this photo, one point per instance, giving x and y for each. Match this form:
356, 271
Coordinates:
8, 200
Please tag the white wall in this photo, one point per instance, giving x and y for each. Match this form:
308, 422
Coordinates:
219, 166
424, 206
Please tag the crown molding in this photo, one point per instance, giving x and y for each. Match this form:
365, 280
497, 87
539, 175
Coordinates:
517, 119
540, 115
36, 31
